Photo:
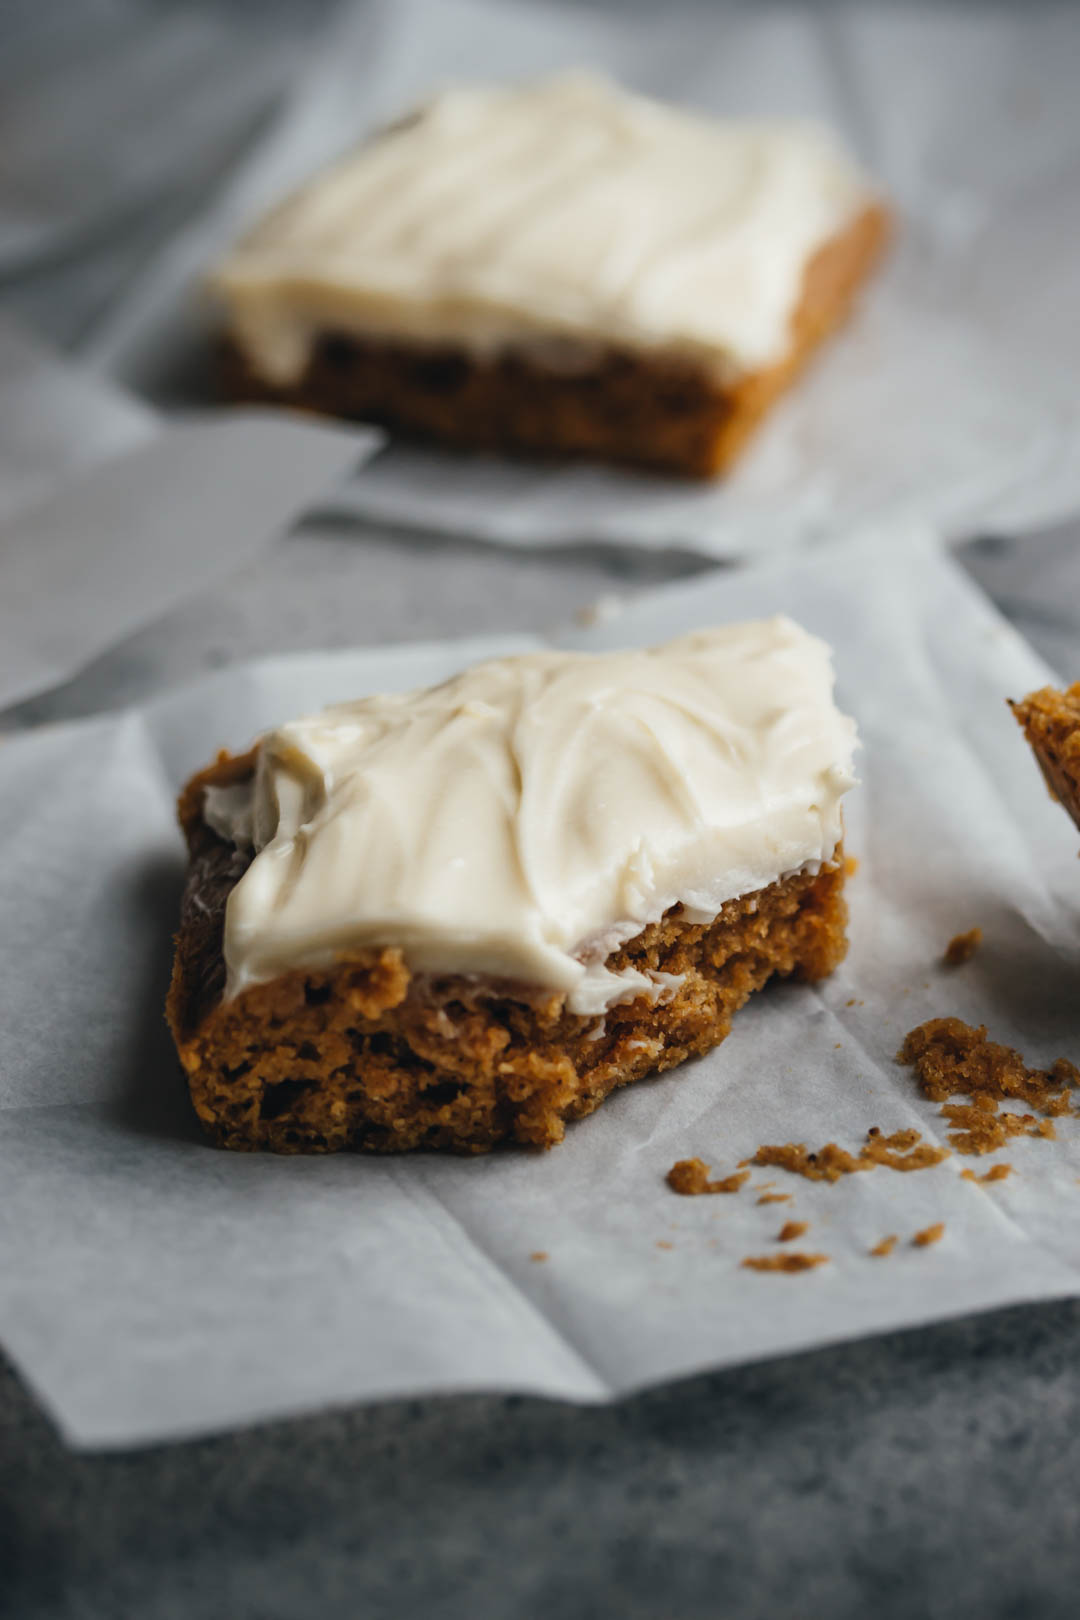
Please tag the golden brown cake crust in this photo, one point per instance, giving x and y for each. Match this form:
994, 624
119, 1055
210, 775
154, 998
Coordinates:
627, 407
366, 1055
1051, 722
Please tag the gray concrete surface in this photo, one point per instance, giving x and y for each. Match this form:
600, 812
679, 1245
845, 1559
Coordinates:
924, 1476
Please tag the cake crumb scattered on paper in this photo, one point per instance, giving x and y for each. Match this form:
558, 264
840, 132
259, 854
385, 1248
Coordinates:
851, 865
792, 1230
690, 1177
962, 947
885, 1247
792, 1261
903, 1150
775, 1198
951, 1059
928, 1235
539, 1254
662, 1243
996, 1172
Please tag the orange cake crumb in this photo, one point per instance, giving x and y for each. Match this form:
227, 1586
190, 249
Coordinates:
885, 1247
792, 1230
996, 1172
851, 865
539, 1254
929, 1234
951, 1058
775, 1198
690, 1177
662, 1243
903, 1150
784, 1262
962, 947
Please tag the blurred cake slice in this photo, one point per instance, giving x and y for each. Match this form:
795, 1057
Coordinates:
1051, 722
558, 267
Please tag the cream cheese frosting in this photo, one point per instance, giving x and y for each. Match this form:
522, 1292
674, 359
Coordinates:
526, 817
560, 216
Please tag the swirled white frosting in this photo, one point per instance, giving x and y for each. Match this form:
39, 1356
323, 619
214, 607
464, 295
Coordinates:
526, 817
559, 217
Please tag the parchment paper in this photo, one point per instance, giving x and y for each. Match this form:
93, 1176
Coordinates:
153, 1287
183, 504
950, 399
56, 419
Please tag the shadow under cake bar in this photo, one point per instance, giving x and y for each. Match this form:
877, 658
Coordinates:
467, 913
1051, 722
560, 267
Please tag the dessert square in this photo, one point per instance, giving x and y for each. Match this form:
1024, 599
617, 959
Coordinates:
1051, 723
466, 914
562, 268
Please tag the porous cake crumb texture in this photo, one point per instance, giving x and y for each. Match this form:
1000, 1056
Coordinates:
365, 1054
951, 1058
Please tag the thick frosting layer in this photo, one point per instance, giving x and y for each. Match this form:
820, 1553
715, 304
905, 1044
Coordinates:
560, 217
528, 816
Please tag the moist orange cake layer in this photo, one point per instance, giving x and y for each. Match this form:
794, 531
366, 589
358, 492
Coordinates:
367, 1055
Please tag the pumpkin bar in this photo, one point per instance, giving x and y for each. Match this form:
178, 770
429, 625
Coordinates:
464, 915
1051, 723
559, 267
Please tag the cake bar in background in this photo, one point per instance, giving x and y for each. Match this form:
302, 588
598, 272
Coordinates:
560, 267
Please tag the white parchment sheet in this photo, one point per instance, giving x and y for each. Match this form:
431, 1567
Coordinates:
165, 511
151, 1286
951, 398
56, 419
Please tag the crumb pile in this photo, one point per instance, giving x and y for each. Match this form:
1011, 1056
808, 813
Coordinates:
903, 1150
951, 1058
962, 947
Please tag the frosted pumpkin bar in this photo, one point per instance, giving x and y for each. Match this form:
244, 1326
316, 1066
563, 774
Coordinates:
1051, 722
559, 267
466, 914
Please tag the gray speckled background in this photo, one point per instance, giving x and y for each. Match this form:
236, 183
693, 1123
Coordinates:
932, 1474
